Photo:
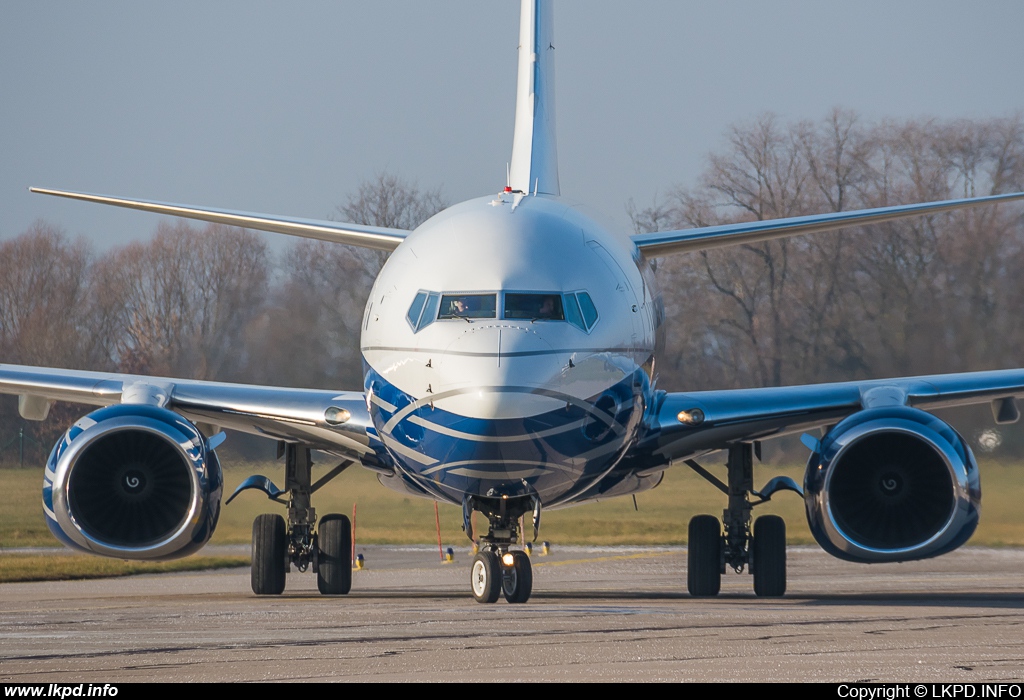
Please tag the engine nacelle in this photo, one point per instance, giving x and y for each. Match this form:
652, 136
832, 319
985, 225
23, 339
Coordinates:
892, 484
133, 482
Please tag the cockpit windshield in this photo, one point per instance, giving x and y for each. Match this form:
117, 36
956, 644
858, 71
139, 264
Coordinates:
468, 306
537, 307
575, 307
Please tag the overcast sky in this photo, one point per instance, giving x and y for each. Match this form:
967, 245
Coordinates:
284, 107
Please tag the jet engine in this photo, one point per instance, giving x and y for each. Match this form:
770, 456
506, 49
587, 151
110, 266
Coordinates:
133, 482
892, 484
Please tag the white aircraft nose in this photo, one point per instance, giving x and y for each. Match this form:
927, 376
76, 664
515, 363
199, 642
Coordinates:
500, 370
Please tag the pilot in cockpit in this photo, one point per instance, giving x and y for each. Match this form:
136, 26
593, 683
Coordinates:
459, 306
547, 308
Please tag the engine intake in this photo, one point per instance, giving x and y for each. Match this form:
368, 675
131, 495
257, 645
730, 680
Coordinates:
133, 482
892, 484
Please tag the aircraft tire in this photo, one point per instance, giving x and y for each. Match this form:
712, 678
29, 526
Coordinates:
485, 577
522, 579
704, 556
334, 564
268, 554
769, 560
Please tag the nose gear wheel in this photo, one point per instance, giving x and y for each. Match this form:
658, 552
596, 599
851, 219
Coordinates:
497, 570
517, 580
485, 577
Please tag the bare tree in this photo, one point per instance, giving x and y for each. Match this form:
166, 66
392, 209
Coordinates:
186, 299
917, 295
46, 314
762, 176
324, 288
660, 216
388, 200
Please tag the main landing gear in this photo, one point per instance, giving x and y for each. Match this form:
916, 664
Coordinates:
498, 570
762, 552
278, 544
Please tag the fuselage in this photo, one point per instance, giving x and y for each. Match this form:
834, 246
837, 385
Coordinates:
509, 350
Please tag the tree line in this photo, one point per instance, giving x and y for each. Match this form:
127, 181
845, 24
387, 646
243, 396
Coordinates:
942, 293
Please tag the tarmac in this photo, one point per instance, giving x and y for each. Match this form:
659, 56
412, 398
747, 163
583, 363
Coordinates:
596, 614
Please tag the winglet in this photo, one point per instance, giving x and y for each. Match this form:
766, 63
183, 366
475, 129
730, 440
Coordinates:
534, 156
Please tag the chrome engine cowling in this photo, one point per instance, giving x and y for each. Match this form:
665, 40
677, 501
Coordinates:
892, 484
133, 482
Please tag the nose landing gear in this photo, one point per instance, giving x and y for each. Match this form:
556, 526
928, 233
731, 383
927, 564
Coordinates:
498, 570
507, 573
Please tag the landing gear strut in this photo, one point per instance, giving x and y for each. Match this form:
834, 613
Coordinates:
762, 552
498, 570
277, 544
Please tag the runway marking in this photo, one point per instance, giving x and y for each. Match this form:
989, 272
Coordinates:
643, 555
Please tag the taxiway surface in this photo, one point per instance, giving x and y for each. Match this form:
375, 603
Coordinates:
597, 614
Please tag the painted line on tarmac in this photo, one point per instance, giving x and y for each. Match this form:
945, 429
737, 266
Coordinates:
618, 557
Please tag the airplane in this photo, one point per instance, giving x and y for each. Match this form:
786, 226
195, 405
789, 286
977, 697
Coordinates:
510, 347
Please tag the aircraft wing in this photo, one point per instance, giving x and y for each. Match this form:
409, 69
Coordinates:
375, 237
667, 242
293, 415
689, 424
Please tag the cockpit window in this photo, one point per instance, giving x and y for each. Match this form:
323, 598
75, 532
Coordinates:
416, 309
468, 306
575, 307
588, 308
572, 312
536, 307
580, 310
423, 310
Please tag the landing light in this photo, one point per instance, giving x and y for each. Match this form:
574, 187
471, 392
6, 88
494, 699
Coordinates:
693, 416
336, 416
507, 559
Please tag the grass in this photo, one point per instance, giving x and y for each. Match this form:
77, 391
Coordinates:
386, 517
63, 567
